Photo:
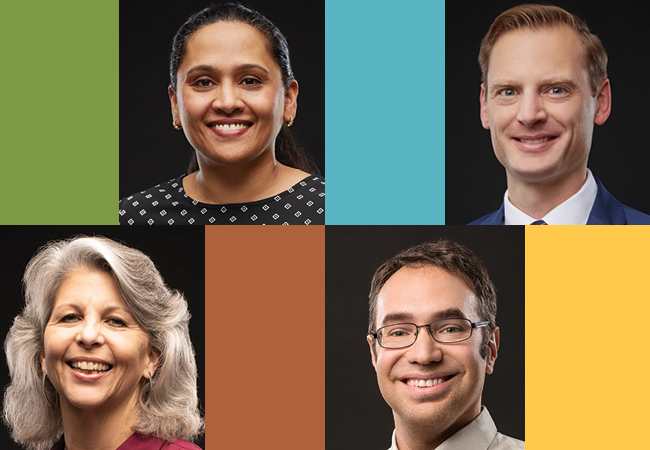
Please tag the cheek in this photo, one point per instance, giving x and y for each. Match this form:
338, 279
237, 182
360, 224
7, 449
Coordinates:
386, 362
191, 106
269, 106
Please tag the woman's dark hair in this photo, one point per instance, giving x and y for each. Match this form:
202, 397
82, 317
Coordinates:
287, 149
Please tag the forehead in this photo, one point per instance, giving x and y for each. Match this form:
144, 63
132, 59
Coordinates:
424, 292
226, 43
85, 287
528, 54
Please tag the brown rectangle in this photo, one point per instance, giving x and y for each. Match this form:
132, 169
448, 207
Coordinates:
265, 337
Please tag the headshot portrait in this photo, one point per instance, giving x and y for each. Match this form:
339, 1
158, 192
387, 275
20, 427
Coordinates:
416, 348
222, 113
553, 95
104, 339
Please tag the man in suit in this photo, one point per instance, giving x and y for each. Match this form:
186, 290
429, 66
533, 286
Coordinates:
433, 339
544, 87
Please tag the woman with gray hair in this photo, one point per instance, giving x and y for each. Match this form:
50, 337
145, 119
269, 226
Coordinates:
100, 357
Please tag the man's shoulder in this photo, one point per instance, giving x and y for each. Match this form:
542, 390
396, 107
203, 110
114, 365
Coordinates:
493, 218
634, 217
607, 210
503, 442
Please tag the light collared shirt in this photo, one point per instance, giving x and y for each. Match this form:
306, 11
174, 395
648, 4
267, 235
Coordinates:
573, 211
480, 434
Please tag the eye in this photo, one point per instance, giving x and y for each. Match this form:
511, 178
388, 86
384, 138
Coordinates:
69, 318
507, 92
116, 322
203, 82
450, 329
250, 81
557, 91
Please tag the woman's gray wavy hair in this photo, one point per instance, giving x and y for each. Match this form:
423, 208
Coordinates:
168, 405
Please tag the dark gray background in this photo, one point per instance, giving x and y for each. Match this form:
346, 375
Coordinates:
151, 150
475, 181
179, 255
356, 415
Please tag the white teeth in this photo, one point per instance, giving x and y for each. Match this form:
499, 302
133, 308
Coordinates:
87, 365
425, 383
536, 141
226, 127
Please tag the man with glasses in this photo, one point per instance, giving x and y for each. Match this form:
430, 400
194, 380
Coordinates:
432, 338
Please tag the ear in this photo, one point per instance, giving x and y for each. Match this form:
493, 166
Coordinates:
603, 103
152, 364
373, 355
484, 112
291, 101
493, 347
174, 101
43, 366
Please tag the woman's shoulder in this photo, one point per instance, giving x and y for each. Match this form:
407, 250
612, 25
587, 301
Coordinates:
150, 205
168, 204
180, 444
142, 442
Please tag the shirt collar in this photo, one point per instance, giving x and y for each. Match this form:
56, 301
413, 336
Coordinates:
573, 211
479, 433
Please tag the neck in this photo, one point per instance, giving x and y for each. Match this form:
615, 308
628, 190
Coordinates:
430, 434
538, 198
97, 430
259, 179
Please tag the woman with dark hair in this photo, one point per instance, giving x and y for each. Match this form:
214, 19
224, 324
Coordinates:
101, 356
233, 94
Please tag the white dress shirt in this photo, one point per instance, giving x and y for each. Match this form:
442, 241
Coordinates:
480, 434
573, 211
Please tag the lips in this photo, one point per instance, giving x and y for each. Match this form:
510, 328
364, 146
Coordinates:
536, 142
230, 127
89, 367
426, 381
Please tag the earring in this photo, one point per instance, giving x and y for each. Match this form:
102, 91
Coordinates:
178, 127
290, 122
45, 393
150, 388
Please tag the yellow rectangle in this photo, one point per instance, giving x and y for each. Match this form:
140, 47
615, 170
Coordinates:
587, 301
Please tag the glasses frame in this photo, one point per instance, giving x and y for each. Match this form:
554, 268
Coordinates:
375, 334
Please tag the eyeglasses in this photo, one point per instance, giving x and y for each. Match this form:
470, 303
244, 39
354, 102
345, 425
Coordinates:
445, 331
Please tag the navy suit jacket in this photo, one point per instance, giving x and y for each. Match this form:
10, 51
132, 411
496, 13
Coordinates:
606, 211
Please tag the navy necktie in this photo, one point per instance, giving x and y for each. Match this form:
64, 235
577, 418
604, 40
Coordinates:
539, 222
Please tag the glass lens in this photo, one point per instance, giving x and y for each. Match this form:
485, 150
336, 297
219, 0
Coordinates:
451, 330
398, 335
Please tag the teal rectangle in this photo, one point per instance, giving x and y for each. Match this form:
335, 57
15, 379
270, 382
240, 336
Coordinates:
384, 113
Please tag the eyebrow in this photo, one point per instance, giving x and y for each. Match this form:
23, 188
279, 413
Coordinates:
208, 68
398, 317
107, 310
505, 82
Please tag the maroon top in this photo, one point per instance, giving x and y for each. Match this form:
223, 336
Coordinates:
137, 442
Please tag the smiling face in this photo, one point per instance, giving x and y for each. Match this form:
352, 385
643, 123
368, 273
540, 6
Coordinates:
230, 98
539, 106
95, 353
435, 386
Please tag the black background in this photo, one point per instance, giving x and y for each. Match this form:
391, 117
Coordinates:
475, 180
356, 414
151, 150
178, 254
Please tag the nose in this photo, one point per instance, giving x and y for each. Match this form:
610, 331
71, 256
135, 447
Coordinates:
227, 98
90, 334
425, 350
531, 109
